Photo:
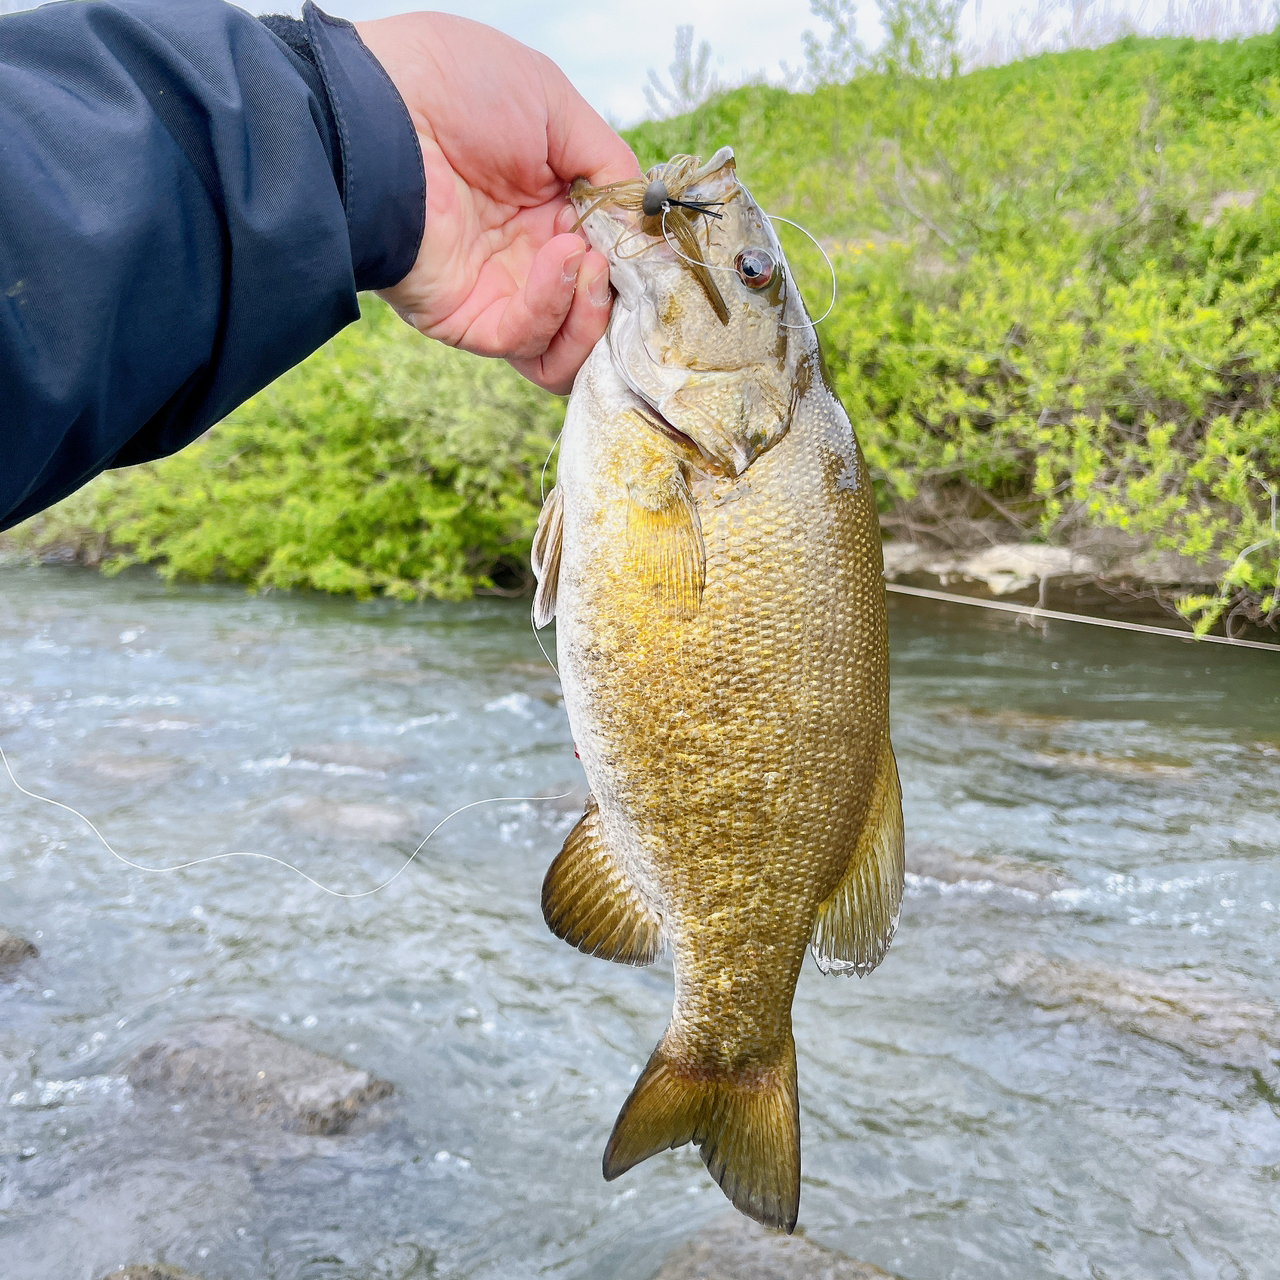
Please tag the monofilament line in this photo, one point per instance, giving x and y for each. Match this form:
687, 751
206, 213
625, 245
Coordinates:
1033, 612
264, 857
773, 217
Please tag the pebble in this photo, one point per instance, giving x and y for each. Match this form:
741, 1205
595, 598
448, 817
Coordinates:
242, 1069
739, 1249
1205, 1019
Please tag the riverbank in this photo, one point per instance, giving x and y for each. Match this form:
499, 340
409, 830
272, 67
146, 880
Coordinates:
1057, 322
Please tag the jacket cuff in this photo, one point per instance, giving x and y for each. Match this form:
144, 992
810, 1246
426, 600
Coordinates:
384, 186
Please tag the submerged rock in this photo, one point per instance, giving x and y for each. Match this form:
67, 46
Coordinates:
14, 950
949, 867
350, 755
121, 768
1129, 766
237, 1067
355, 821
1202, 1018
738, 1249
151, 1271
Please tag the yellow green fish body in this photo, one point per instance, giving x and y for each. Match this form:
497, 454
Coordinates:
712, 556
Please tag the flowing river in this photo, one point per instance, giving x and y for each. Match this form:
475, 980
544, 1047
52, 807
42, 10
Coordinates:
1066, 1067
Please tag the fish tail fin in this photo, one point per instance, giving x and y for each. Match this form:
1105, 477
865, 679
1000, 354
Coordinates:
746, 1124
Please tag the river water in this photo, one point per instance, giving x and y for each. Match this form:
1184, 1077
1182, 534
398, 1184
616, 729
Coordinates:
955, 1125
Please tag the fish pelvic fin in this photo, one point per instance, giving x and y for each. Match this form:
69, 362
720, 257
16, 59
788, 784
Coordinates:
591, 902
856, 923
547, 541
745, 1123
664, 537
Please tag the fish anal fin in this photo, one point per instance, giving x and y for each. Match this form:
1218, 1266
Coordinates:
746, 1124
590, 902
664, 537
856, 923
547, 541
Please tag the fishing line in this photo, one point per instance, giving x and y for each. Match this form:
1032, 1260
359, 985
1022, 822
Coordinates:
1033, 611
533, 623
542, 479
773, 217
265, 857
777, 217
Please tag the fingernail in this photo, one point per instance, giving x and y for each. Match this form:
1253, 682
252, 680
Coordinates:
565, 219
571, 265
598, 290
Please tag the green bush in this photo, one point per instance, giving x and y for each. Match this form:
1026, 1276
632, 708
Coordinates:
1059, 291
1059, 285
385, 463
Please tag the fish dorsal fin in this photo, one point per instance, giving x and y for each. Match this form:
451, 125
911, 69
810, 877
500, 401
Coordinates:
856, 923
591, 902
664, 536
547, 541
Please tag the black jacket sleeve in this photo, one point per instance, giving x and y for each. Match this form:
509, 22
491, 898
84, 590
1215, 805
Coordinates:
188, 205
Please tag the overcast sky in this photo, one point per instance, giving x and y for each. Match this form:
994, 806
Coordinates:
607, 46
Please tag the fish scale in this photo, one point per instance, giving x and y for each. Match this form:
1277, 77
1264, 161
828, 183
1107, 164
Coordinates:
718, 590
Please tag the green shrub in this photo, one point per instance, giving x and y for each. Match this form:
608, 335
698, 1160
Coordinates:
1059, 285
1059, 290
384, 463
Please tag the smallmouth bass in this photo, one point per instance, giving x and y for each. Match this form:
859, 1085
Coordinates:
711, 554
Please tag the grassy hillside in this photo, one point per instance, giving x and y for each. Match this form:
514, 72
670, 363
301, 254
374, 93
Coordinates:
1059, 296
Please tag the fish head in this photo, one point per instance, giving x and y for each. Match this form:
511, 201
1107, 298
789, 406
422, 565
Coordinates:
708, 327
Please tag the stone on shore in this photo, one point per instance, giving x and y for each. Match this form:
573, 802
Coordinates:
14, 950
949, 867
235, 1067
1202, 1018
739, 1249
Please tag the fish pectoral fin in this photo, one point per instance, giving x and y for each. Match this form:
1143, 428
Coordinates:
546, 557
664, 538
591, 902
856, 923
746, 1124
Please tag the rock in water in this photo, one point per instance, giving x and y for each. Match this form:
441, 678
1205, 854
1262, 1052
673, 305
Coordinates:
234, 1066
949, 867
381, 823
736, 1249
351, 755
151, 1271
1201, 1018
120, 768
14, 950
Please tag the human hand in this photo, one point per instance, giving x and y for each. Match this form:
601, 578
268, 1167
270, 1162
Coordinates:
503, 134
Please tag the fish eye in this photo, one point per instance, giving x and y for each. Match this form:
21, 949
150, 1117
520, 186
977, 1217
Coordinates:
755, 268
